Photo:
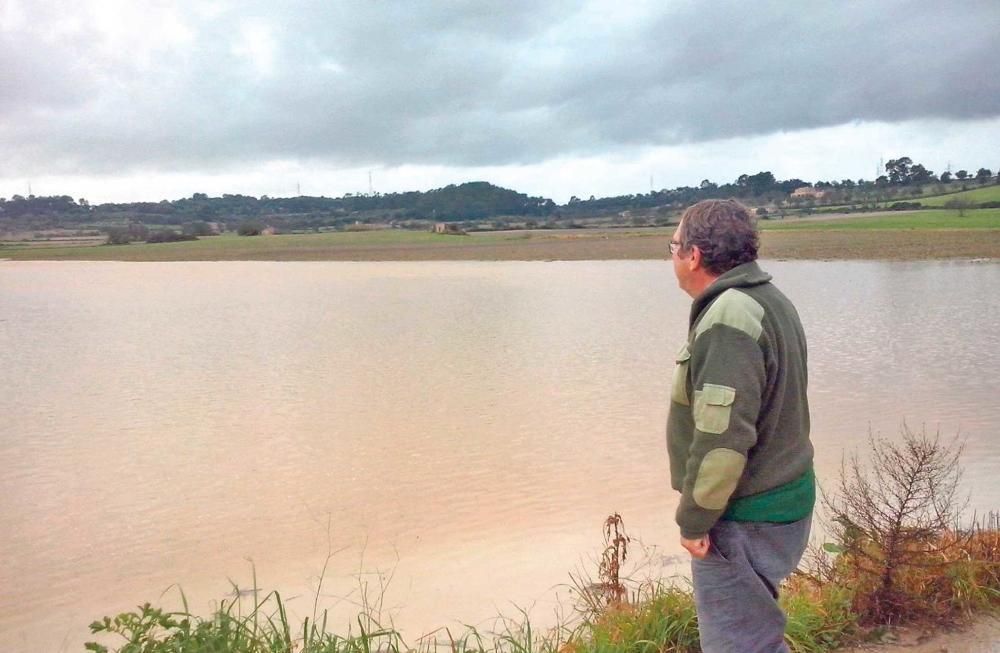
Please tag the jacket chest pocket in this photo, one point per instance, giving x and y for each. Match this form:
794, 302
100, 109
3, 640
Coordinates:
678, 386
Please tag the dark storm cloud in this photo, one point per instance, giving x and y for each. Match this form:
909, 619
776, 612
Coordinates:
474, 83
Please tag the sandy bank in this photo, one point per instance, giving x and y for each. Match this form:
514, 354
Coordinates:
983, 636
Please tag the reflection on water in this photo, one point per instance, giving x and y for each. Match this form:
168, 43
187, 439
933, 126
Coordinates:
463, 426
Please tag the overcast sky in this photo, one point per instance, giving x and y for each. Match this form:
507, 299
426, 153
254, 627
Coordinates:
135, 99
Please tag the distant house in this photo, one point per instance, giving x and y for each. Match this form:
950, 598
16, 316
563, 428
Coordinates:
447, 228
809, 192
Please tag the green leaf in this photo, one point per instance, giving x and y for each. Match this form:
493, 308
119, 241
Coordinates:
831, 547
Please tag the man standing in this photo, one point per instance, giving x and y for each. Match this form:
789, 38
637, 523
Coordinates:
738, 431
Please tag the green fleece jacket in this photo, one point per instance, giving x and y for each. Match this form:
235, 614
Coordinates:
738, 427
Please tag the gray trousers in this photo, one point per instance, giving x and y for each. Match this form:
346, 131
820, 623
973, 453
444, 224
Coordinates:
736, 585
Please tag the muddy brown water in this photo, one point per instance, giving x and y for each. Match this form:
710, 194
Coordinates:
453, 432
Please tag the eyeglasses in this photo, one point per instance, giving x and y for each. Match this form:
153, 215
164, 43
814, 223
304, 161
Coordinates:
675, 246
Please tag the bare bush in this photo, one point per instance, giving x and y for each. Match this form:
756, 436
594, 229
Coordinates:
894, 515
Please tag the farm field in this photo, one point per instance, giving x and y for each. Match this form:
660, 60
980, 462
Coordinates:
888, 236
934, 220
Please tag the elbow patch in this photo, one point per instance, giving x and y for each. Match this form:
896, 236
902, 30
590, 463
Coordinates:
718, 475
713, 405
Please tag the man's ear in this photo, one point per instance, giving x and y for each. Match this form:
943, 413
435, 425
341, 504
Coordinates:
695, 260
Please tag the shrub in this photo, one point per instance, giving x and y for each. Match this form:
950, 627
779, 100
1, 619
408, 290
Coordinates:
198, 228
168, 237
959, 204
118, 236
138, 231
250, 228
898, 545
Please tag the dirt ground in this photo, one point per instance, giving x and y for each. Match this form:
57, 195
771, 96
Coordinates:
983, 636
896, 245
816, 245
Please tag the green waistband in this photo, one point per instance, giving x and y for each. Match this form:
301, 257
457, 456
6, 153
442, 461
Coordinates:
784, 504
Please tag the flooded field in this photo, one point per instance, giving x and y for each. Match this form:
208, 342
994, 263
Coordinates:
454, 433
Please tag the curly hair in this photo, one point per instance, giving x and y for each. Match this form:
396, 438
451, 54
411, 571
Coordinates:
724, 231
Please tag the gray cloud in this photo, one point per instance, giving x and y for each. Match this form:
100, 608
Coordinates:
361, 83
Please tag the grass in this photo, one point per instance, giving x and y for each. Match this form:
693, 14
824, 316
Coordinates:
930, 195
658, 617
983, 194
264, 629
901, 220
661, 618
824, 606
819, 618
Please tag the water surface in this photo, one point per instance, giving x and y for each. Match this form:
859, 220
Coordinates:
463, 427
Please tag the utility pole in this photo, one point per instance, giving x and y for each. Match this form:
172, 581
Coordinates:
371, 189
298, 189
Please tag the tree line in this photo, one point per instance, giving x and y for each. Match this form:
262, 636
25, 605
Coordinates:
469, 201
472, 200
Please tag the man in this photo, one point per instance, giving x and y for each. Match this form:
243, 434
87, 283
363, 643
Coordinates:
738, 431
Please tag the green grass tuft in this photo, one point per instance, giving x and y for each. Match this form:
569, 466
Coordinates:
819, 619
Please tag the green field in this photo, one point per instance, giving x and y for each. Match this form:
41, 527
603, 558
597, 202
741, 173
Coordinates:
935, 219
976, 195
930, 196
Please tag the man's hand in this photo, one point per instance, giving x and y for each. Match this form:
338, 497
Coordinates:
697, 548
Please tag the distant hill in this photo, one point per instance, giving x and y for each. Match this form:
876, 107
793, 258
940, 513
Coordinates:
469, 201
485, 205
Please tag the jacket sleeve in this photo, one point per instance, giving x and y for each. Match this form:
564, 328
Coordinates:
728, 377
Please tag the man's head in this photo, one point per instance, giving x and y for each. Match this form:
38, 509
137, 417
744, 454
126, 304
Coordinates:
713, 237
